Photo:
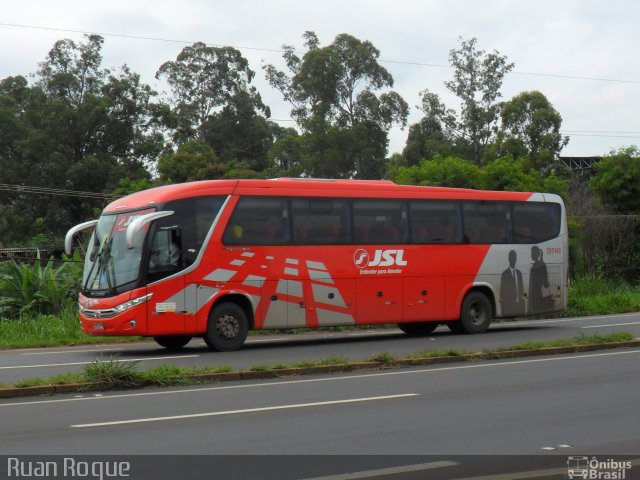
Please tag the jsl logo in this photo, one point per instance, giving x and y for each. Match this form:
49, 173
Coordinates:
381, 258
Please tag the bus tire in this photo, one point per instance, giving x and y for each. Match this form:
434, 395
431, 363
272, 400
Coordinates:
227, 327
172, 342
456, 327
476, 313
418, 328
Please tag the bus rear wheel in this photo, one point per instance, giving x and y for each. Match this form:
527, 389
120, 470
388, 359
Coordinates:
227, 327
418, 328
475, 314
172, 342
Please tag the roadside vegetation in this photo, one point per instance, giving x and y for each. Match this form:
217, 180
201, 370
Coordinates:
113, 373
598, 295
38, 304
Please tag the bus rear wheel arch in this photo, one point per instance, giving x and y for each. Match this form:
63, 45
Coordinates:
475, 314
227, 327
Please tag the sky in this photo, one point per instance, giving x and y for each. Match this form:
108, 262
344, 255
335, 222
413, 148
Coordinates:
595, 42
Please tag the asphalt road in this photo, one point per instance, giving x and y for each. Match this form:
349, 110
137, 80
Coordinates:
546, 407
269, 350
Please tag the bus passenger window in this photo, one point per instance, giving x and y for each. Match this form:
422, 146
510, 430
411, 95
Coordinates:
486, 222
258, 221
535, 222
379, 221
319, 221
433, 221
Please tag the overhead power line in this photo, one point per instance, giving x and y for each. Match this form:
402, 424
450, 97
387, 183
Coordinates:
599, 135
603, 131
277, 50
55, 191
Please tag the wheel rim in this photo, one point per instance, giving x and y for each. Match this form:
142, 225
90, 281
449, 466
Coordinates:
476, 313
227, 326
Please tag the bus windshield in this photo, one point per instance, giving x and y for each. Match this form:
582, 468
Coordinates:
109, 264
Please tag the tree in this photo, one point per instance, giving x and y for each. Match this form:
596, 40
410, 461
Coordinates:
517, 175
333, 93
194, 160
441, 172
616, 182
429, 137
78, 127
477, 79
531, 127
240, 136
203, 80
286, 156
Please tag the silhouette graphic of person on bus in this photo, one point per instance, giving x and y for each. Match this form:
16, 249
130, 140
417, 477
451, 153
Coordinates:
538, 284
511, 289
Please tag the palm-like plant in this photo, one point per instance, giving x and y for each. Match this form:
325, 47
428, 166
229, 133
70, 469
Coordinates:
36, 288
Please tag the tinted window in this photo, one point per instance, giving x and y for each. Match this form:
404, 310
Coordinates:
486, 222
434, 222
535, 222
193, 216
319, 220
258, 221
379, 221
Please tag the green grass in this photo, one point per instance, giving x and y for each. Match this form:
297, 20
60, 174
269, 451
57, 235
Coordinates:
436, 353
333, 360
596, 295
280, 366
113, 373
31, 330
123, 374
383, 357
582, 340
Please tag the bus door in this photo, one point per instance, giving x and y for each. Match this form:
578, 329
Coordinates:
171, 301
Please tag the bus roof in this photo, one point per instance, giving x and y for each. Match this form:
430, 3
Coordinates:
305, 187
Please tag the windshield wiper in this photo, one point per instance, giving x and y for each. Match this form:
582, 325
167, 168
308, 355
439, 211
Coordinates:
103, 266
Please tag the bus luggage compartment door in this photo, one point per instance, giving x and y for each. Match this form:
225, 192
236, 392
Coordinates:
423, 299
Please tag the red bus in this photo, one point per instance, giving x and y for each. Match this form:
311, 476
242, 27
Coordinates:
215, 259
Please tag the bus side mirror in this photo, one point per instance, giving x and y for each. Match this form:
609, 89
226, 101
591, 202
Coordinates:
141, 221
68, 238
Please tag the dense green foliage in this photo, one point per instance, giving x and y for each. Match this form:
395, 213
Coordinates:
501, 174
344, 121
75, 124
617, 180
38, 288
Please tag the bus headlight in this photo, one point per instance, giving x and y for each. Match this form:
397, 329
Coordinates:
123, 307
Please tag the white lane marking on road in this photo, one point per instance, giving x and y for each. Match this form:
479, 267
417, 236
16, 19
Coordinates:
76, 351
565, 320
14, 367
611, 325
245, 410
326, 336
388, 471
283, 339
315, 380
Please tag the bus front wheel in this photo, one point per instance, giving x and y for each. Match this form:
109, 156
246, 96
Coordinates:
418, 328
172, 342
475, 314
227, 328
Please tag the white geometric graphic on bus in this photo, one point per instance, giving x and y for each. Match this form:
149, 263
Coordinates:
284, 299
